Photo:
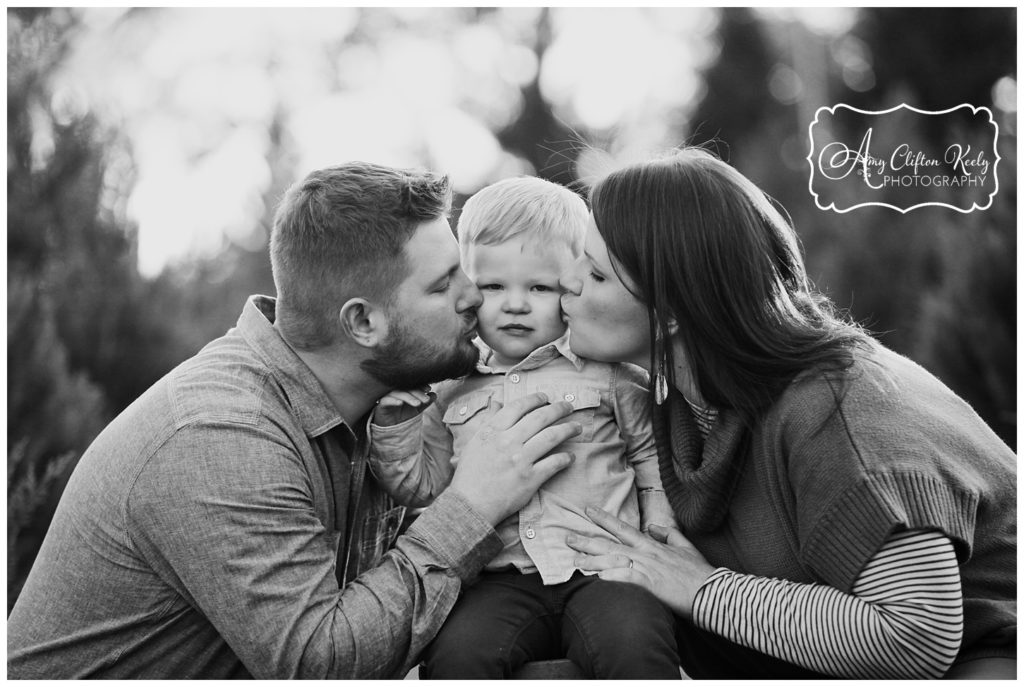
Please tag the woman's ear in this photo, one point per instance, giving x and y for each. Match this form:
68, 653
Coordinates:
673, 326
363, 322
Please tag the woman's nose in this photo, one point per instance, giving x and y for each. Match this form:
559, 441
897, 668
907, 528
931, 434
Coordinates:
570, 283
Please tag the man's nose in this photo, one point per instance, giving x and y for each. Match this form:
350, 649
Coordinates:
471, 298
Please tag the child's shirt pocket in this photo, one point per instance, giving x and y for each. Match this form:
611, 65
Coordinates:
585, 401
463, 418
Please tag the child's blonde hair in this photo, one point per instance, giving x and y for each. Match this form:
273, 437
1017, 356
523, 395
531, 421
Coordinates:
527, 207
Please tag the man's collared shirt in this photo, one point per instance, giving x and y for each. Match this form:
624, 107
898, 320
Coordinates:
615, 454
224, 525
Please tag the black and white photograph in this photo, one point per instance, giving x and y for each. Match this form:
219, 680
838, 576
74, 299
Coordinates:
544, 343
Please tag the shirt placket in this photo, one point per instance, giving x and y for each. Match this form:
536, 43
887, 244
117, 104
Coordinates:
515, 387
346, 477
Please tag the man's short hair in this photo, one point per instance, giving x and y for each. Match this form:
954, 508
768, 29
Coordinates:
339, 234
530, 208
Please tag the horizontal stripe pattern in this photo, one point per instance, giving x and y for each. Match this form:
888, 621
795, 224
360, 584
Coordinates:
903, 618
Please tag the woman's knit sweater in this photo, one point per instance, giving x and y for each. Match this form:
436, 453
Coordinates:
838, 463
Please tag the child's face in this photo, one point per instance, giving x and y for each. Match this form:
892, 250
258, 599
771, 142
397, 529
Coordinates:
521, 309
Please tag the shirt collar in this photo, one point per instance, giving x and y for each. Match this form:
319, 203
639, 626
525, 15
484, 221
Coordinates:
308, 400
539, 357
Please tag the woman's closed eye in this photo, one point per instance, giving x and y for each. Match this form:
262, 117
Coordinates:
596, 277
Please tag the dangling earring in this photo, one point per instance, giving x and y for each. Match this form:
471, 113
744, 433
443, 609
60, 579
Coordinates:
660, 383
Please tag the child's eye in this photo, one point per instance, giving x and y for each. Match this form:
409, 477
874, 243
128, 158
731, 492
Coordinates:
490, 287
543, 288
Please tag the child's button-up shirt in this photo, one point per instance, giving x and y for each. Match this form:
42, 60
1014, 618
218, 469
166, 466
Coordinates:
616, 466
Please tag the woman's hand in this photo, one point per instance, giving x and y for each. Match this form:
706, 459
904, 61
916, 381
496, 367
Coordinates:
665, 563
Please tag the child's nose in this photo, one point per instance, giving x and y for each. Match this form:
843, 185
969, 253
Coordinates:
516, 301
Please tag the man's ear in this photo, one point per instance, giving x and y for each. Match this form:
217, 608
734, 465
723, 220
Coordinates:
363, 322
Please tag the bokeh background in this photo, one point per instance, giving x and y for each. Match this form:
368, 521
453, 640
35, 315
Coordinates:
146, 149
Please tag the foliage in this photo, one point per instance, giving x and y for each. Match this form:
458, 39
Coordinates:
934, 285
82, 339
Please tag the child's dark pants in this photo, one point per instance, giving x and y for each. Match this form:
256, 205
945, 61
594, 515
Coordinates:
609, 629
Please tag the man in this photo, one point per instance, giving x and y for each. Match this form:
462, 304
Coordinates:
225, 525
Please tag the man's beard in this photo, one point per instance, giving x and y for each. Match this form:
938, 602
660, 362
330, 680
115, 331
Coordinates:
407, 361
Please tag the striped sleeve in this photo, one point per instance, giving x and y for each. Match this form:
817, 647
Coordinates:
903, 618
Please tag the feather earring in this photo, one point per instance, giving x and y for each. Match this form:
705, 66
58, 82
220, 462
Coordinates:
660, 382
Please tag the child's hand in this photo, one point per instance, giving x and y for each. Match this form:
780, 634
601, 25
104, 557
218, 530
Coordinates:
400, 405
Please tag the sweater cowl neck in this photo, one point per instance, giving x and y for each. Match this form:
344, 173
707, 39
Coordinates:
699, 477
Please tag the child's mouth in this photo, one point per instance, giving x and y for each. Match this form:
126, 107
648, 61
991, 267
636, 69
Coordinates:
516, 329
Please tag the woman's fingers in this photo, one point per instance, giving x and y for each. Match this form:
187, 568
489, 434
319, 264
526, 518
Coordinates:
631, 575
608, 561
668, 535
622, 531
590, 545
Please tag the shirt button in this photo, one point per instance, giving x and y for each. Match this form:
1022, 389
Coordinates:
463, 410
530, 533
570, 397
514, 378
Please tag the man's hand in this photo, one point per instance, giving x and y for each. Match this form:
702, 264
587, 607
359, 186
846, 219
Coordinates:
502, 467
398, 406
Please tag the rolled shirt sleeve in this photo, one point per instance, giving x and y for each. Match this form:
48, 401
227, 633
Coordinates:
412, 460
633, 416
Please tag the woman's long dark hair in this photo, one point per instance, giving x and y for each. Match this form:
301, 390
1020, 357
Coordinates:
703, 245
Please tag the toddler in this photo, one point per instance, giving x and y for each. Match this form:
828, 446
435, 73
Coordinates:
516, 237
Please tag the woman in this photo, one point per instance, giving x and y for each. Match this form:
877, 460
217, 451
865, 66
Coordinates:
842, 512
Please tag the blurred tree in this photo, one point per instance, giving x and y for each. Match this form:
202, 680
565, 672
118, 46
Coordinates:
957, 309
940, 56
933, 284
737, 105
52, 411
82, 340
537, 134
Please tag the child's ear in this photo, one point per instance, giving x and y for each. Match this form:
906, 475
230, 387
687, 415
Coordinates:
363, 322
